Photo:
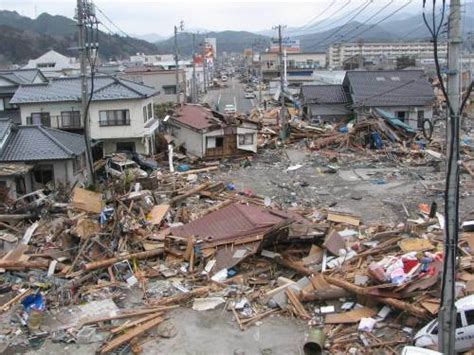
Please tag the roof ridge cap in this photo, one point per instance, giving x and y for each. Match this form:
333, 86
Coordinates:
59, 144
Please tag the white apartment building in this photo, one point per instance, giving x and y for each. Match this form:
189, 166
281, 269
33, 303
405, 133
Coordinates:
339, 53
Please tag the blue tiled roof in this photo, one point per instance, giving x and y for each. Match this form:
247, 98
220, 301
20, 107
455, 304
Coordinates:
34, 143
69, 89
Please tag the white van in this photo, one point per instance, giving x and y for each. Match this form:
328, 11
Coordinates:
428, 335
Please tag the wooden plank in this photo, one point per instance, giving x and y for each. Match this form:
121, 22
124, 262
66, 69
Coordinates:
340, 217
297, 304
128, 336
88, 201
353, 316
15, 299
157, 214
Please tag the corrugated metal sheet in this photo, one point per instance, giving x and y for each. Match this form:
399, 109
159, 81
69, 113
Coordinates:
233, 221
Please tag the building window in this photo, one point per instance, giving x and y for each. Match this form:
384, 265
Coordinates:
71, 118
169, 89
114, 118
246, 139
39, 118
125, 146
150, 111
214, 142
401, 115
43, 174
6, 105
144, 114
78, 164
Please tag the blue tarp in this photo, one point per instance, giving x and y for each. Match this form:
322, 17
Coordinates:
394, 122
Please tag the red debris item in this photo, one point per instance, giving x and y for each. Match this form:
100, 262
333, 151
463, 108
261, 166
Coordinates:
409, 264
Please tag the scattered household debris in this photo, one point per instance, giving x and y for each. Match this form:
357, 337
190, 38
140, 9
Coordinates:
190, 239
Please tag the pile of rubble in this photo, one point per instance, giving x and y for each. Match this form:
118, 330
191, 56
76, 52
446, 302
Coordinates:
186, 239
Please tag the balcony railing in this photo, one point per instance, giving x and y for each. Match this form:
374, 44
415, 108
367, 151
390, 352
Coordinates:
56, 121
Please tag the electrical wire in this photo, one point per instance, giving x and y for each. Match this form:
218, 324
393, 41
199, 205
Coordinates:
372, 17
328, 27
358, 12
317, 17
380, 21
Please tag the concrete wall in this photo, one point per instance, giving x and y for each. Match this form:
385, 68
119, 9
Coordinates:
193, 141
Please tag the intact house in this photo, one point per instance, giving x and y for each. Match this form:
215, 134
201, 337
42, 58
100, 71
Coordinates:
121, 111
33, 157
208, 134
162, 80
54, 64
10, 80
325, 103
404, 94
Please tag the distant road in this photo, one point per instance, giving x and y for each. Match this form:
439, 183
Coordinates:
233, 94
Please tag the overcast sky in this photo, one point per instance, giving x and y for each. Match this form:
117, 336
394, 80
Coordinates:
156, 16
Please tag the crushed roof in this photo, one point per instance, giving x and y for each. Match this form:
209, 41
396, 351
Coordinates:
195, 116
69, 89
233, 221
389, 88
34, 143
324, 94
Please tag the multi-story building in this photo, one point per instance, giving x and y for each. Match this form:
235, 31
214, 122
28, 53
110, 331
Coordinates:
340, 53
297, 64
121, 111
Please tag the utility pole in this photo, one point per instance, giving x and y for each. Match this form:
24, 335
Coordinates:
82, 9
194, 87
447, 313
283, 124
176, 62
204, 65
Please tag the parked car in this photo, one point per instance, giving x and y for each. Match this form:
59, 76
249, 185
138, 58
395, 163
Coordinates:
229, 108
249, 95
428, 335
145, 163
117, 168
32, 202
224, 78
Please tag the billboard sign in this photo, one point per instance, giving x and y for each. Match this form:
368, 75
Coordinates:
288, 44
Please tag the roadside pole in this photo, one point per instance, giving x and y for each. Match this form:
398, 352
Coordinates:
447, 313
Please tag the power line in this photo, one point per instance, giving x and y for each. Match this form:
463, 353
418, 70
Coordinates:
358, 12
315, 18
370, 18
380, 21
111, 22
318, 28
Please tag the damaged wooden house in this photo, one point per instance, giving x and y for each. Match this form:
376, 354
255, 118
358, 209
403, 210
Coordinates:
205, 133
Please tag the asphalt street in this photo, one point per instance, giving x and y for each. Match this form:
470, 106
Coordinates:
233, 94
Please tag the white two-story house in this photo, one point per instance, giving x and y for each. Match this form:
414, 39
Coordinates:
121, 111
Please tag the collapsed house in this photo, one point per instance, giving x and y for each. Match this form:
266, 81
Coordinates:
210, 134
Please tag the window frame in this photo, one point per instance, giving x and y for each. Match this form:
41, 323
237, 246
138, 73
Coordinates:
114, 121
44, 119
243, 139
